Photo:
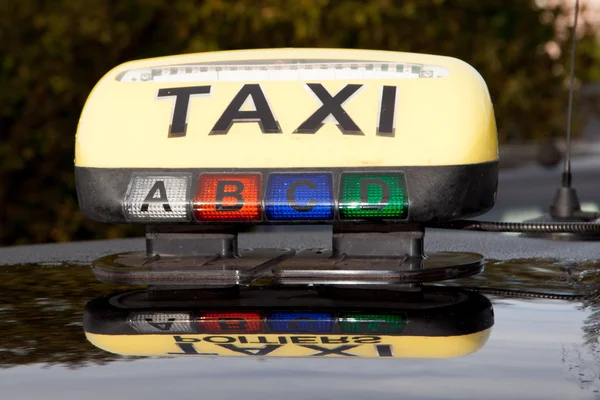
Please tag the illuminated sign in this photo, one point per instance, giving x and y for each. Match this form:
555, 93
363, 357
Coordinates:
158, 198
299, 197
289, 196
228, 197
373, 196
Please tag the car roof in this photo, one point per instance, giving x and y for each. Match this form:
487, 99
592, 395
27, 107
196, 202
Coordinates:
538, 347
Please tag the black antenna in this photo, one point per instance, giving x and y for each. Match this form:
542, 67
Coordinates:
566, 202
566, 179
566, 220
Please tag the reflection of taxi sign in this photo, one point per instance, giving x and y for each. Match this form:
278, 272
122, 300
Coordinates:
443, 322
287, 135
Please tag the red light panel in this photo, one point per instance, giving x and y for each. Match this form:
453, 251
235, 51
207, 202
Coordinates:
228, 197
232, 322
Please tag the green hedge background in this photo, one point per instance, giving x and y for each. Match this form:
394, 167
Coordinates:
52, 52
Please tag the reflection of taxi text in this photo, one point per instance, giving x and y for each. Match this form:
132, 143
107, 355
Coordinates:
255, 345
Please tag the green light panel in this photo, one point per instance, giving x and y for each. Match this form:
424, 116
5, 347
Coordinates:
373, 196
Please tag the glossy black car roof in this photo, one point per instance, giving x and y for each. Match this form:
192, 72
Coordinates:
538, 348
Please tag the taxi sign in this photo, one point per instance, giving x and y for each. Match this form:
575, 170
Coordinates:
287, 136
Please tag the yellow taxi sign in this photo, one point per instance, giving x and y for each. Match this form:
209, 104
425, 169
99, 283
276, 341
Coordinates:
288, 108
205, 138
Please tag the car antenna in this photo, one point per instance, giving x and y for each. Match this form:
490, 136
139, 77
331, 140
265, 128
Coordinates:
566, 220
566, 201
566, 205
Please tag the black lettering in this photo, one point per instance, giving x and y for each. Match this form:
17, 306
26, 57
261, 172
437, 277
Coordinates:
387, 112
282, 339
330, 340
366, 339
232, 324
303, 339
252, 351
242, 339
224, 191
263, 340
159, 186
384, 350
323, 351
364, 194
182, 96
261, 114
331, 107
180, 339
190, 349
163, 326
291, 195
213, 339
302, 324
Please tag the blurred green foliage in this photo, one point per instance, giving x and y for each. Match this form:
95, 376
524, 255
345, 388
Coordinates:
53, 52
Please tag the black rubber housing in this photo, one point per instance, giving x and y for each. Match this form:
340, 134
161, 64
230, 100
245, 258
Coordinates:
436, 193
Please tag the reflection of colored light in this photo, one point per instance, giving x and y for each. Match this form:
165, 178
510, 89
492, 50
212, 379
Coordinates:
228, 197
299, 197
373, 195
161, 322
235, 322
372, 323
301, 322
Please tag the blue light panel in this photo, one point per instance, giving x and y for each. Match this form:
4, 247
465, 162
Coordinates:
300, 322
296, 197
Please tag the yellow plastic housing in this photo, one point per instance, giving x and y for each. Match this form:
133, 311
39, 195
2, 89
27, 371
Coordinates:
438, 121
364, 346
